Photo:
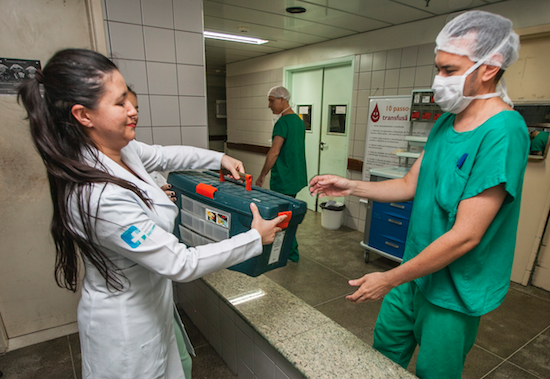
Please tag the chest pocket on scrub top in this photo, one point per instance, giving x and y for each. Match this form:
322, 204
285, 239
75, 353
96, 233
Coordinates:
450, 187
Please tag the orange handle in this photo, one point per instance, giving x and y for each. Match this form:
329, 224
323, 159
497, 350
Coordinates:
248, 179
222, 178
205, 190
288, 215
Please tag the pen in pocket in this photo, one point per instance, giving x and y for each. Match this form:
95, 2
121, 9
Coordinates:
461, 161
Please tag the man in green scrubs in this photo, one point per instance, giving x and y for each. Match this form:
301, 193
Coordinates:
466, 187
287, 156
539, 138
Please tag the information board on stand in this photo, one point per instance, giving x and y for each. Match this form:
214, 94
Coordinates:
387, 127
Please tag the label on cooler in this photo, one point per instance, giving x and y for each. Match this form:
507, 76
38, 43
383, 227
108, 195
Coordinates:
217, 217
276, 247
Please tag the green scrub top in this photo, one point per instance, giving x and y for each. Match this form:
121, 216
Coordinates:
539, 142
495, 152
289, 174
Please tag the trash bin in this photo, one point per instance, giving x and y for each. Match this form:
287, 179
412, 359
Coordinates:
332, 214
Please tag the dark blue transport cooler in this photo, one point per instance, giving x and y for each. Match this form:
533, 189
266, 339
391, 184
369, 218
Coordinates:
212, 210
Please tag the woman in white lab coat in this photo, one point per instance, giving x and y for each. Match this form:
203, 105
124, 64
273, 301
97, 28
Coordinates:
110, 213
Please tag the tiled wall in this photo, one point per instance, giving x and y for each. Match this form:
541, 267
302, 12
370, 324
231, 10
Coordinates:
392, 72
159, 48
246, 353
215, 88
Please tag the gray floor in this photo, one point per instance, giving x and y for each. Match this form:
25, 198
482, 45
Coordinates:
513, 341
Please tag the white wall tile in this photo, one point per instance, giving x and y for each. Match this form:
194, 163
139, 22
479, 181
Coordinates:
134, 74
408, 58
188, 15
379, 61
263, 366
195, 136
164, 111
162, 78
405, 90
158, 13
160, 45
390, 91
169, 135
213, 315
392, 79
126, 41
191, 80
229, 355
193, 110
423, 76
245, 350
189, 48
363, 98
144, 109
144, 134
243, 370
406, 77
107, 38
366, 62
364, 80
377, 80
393, 59
362, 115
123, 10
426, 54
361, 129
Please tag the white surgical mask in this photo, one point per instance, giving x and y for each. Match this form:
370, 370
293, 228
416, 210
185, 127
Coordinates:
278, 116
449, 90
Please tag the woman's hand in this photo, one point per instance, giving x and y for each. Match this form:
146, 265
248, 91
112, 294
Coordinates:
171, 195
331, 185
267, 228
235, 166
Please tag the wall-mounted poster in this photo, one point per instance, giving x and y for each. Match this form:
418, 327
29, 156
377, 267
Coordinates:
13, 72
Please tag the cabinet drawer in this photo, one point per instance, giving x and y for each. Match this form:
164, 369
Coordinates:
389, 227
388, 244
405, 207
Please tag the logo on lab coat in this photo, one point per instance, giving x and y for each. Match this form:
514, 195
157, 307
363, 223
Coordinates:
134, 237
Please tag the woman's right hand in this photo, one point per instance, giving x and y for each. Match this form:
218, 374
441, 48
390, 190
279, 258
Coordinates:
267, 228
331, 185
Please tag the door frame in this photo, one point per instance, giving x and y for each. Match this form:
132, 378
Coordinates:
343, 61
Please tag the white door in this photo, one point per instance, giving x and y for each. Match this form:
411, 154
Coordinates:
322, 98
307, 95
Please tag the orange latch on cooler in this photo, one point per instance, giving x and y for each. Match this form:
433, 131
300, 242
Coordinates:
205, 190
222, 178
248, 180
288, 215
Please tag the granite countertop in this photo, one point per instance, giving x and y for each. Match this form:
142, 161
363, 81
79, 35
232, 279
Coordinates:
317, 346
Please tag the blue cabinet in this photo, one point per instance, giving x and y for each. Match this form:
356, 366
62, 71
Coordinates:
389, 223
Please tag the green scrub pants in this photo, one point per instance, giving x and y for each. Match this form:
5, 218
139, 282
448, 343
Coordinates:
184, 355
294, 256
445, 337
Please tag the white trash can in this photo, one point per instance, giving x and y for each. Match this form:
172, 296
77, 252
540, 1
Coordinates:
332, 214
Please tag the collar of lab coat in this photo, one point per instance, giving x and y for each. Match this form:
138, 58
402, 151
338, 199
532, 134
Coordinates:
131, 158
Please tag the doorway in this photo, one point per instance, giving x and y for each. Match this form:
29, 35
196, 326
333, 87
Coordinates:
321, 96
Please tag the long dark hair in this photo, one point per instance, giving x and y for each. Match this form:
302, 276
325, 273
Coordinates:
72, 76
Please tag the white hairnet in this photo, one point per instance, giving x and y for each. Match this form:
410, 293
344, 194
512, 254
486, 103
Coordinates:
278, 92
477, 34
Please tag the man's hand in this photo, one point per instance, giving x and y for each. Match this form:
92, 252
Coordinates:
235, 166
331, 185
260, 181
267, 228
372, 287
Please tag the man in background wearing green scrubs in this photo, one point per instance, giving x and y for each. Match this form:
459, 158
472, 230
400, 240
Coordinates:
539, 138
287, 156
466, 187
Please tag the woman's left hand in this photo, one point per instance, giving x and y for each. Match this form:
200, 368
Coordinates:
234, 166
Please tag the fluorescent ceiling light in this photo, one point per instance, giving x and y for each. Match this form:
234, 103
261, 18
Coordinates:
234, 38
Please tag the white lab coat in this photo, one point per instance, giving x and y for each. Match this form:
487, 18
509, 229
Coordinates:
130, 334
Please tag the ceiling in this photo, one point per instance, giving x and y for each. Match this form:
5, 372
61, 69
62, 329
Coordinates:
323, 20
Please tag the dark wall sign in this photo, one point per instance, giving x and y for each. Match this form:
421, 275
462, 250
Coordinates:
14, 71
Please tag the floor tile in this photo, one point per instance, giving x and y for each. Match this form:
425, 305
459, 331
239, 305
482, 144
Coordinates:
520, 318
535, 357
530, 290
46, 360
509, 371
209, 365
310, 281
359, 319
74, 342
479, 362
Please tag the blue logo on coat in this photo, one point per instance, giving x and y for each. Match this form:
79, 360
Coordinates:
134, 237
